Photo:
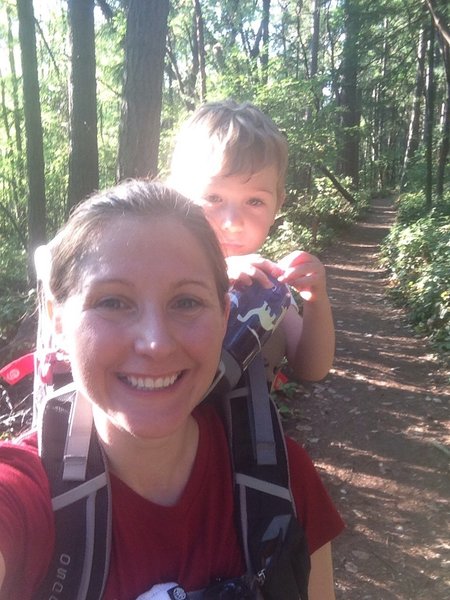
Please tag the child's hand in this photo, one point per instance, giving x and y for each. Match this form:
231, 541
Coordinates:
305, 273
252, 267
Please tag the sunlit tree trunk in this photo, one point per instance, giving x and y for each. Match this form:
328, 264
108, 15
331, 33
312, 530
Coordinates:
33, 128
83, 161
350, 94
414, 125
15, 88
429, 120
265, 41
145, 47
15, 144
200, 47
315, 38
445, 139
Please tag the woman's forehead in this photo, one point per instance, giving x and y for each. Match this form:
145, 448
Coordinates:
135, 245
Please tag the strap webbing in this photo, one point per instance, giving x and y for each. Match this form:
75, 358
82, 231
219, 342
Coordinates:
82, 510
262, 419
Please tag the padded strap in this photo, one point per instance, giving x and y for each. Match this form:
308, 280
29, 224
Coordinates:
263, 498
80, 563
260, 413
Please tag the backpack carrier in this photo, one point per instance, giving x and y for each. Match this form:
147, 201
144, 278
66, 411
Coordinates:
274, 543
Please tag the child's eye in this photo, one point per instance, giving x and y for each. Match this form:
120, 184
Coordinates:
212, 199
255, 202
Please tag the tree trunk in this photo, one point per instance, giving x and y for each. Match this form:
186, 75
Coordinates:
350, 95
33, 128
83, 161
414, 125
145, 47
265, 41
429, 121
314, 62
337, 184
439, 22
199, 27
15, 89
445, 140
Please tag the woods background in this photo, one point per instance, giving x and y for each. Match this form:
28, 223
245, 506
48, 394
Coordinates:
92, 92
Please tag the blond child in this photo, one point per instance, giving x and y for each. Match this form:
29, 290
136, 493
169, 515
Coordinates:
231, 159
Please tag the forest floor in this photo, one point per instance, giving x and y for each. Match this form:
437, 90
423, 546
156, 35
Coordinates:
378, 430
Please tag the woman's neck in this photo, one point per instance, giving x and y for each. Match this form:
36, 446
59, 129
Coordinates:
156, 469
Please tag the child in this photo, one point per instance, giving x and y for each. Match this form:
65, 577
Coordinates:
231, 159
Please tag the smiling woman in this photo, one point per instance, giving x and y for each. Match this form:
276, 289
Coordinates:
137, 302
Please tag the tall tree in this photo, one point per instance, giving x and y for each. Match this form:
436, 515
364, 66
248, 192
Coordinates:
33, 128
445, 137
145, 46
199, 38
429, 119
414, 123
83, 161
351, 113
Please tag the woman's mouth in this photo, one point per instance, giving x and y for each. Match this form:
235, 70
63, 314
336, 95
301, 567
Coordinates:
150, 383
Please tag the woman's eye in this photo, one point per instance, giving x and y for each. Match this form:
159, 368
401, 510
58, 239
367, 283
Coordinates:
187, 304
255, 202
112, 304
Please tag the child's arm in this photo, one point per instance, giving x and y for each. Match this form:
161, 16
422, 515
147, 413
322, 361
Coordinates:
310, 340
2, 570
321, 584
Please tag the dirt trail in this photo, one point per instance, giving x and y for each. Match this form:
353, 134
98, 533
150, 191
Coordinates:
378, 429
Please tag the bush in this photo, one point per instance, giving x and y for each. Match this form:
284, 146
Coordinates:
15, 298
418, 256
311, 222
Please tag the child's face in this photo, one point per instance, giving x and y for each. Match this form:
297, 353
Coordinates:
241, 209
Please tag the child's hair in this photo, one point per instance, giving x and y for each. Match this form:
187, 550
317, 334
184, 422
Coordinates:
60, 264
228, 139
143, 199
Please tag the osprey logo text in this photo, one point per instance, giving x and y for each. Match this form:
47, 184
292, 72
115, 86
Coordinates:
61, 573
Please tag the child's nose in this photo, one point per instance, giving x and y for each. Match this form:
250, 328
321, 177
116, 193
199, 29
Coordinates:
232, 220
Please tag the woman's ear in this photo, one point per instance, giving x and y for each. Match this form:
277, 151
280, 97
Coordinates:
54, 314
226, 310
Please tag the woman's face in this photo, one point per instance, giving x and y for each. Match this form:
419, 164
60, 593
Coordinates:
145, 331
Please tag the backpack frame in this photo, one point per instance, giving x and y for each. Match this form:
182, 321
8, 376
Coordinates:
273, 541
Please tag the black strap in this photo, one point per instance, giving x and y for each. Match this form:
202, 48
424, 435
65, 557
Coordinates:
274, 543
82, 513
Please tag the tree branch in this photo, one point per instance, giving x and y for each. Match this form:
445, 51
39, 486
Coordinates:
439, 22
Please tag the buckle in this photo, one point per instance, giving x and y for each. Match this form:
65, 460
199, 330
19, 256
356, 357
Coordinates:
230, 589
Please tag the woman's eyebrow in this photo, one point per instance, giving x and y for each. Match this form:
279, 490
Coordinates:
190, 281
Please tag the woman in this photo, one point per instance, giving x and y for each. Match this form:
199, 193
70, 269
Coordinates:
138, 301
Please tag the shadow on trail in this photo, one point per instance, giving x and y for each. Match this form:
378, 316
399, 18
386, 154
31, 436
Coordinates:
376, 428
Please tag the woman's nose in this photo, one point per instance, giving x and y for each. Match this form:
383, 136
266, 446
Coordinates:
153, 335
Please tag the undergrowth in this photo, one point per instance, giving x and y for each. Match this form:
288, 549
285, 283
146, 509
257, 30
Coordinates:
417, 254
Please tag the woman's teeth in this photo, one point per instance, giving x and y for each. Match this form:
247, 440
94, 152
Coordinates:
150, 383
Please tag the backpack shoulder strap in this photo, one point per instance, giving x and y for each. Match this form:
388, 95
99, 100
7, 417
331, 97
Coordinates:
81, 501
274, 542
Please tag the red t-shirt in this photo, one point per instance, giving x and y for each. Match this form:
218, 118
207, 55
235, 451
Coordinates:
191, 543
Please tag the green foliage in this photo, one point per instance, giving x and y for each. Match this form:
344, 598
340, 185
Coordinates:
417, 252
15, 298
411, 207
311, 222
